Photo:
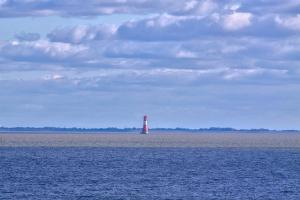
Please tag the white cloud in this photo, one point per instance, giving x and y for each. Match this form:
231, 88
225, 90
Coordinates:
17, 8
292, 23
164, 75
206, 7
237, 20
89, 8
190, 5
232, 74
57, 77
238, 73
185, 54
233, 48
165, 20
232, 7
53, 77
40, 50
168, 27
82, 33
56, 49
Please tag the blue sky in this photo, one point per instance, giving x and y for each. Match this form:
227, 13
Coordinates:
185, 63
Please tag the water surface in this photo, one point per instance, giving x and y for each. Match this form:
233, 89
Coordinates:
149, 173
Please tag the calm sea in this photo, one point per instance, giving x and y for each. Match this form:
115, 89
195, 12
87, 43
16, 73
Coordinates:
149, 173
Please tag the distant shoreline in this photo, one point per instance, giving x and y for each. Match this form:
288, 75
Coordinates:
150, 133
134, 130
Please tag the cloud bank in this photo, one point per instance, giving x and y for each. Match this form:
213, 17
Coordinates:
206, 56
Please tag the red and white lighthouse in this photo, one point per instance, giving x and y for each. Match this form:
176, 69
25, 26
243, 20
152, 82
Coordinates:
145, 125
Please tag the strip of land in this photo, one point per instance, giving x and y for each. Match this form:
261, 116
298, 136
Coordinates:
276, 140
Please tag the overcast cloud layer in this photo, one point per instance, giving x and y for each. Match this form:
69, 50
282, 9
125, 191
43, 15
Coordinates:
185, 63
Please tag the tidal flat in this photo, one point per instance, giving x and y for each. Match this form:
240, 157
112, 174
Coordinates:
183, 139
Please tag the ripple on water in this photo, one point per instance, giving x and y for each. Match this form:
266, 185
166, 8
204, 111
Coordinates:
149, 173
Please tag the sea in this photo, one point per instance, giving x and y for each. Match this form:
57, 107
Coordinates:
149, 173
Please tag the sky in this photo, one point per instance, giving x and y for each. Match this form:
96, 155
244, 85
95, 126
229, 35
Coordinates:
184, 63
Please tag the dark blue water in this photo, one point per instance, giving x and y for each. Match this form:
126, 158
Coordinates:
149, 173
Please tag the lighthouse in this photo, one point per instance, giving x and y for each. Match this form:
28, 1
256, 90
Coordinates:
145, 125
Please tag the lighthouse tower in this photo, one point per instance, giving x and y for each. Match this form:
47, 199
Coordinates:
145, 125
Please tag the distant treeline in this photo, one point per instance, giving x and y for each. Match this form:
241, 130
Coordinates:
114, 129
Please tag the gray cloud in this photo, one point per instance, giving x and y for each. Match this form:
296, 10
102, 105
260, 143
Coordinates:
28, 36
169, 27
270, 6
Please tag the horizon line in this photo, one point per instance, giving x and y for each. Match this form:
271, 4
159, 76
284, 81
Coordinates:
53, 128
